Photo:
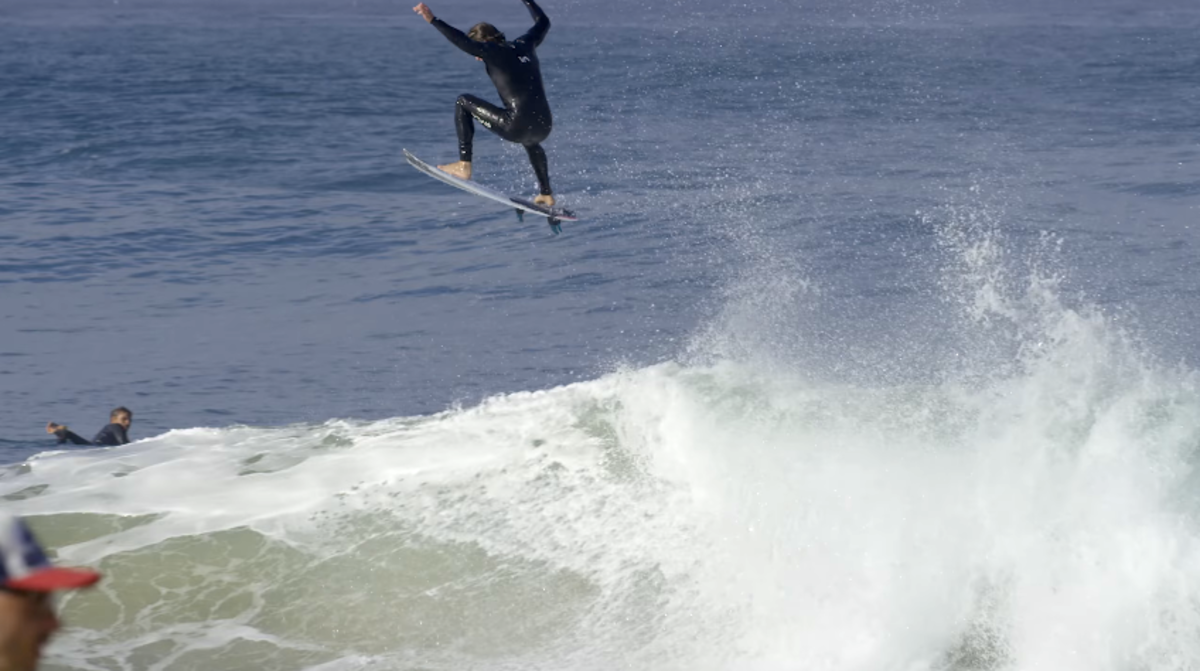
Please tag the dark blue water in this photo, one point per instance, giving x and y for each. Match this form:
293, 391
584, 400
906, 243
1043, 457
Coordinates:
207, 218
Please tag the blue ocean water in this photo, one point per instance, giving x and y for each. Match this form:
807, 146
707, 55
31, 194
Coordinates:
875, 346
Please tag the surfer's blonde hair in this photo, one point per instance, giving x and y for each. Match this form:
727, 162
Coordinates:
485, 32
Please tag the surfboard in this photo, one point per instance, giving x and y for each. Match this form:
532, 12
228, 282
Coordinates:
553, 214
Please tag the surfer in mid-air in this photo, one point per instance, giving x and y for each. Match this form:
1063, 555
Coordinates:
513, 67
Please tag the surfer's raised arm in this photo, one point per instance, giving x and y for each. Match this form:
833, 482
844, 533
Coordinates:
541, 24
457, 37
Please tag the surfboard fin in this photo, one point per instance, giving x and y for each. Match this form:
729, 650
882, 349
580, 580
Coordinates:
520, 215
554, 227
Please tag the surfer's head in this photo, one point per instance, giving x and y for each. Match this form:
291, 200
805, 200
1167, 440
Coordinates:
485, 32
122, 416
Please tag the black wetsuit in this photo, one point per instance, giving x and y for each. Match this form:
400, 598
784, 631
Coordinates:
113, 434
513, 67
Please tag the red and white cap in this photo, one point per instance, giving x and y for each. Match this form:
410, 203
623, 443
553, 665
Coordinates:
24, 565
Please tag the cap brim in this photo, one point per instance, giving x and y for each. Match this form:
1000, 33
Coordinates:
56, 578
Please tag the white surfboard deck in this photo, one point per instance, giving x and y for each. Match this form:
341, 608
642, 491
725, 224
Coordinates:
522, 204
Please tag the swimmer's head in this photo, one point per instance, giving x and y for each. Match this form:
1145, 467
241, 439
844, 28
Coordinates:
121, 416
485, 32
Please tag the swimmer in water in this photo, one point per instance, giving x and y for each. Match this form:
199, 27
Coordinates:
116, 433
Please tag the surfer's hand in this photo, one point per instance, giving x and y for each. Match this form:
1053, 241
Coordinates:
423, 10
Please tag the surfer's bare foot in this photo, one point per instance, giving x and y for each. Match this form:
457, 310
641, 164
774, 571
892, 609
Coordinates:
544, 199
460, 169
55, 428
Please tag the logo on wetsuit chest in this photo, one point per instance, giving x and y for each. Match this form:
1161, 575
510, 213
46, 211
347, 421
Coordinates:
523, 59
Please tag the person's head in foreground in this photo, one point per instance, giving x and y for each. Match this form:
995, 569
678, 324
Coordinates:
27, 581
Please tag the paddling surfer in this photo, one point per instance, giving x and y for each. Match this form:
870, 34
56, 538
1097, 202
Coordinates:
513, 67
116, 433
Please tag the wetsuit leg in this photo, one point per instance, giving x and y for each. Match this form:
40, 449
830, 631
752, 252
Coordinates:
493, 118
500, 122
537, 156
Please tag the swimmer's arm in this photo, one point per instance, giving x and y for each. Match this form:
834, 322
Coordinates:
66, 435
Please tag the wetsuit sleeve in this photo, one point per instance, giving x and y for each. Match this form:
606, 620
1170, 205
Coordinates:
541, 24
66, 435
459, 39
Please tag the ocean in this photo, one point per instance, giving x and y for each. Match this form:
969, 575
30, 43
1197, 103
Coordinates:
875, 346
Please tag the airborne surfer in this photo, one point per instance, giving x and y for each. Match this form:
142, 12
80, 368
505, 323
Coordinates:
513, 67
